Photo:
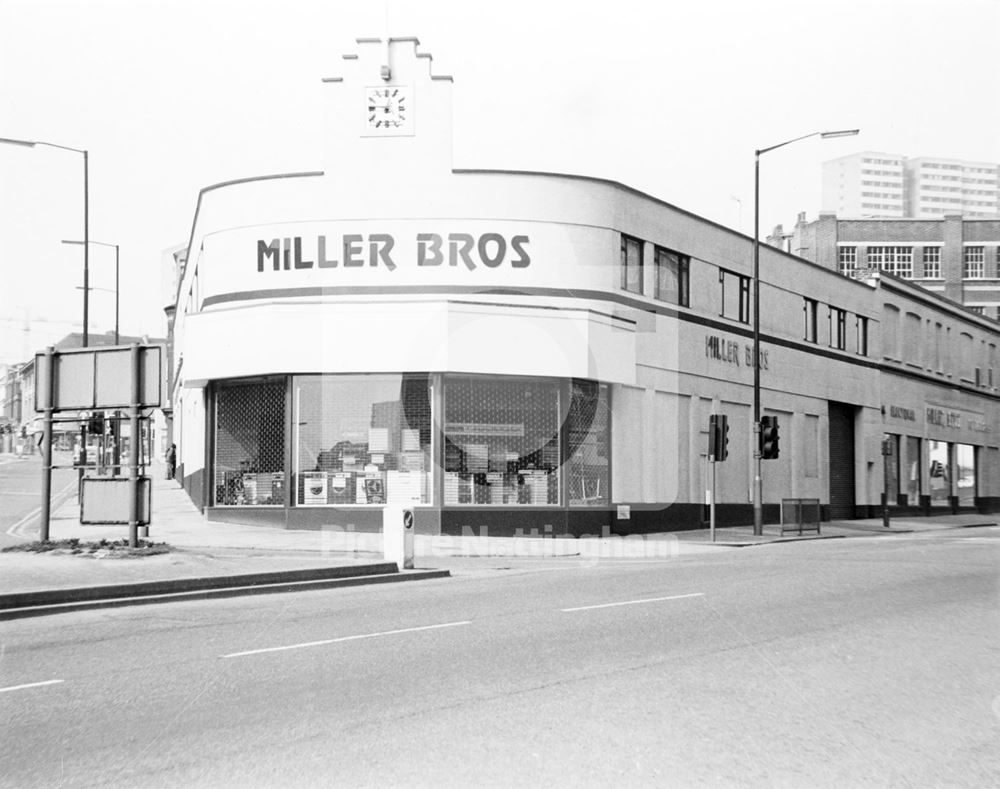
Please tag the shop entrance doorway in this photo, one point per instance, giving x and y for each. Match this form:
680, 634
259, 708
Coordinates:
841, 444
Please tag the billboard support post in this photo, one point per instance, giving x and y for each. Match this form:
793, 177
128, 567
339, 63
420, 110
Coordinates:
44, 514
133, 449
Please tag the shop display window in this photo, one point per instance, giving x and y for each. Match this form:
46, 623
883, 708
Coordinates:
249, 444
368, 439
891, 466
362, 439
965, 475
940, 473
501, 441
588, 427
912, 471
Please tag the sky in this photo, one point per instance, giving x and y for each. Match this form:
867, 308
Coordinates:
669, 97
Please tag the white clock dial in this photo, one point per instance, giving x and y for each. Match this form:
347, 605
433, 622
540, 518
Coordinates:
387, 109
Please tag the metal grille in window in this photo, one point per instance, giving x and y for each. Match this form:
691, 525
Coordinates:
362, 439
250, 444
501, 442
587, 429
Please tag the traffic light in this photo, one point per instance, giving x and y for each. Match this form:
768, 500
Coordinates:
95, 425
718, 437
768, 437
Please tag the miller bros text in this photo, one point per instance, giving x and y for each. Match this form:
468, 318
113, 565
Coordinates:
728, 351
376, 249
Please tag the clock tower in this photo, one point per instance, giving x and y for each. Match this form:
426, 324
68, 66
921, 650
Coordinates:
388, 113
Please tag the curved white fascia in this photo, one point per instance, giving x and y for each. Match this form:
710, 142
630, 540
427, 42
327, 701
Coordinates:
403, 336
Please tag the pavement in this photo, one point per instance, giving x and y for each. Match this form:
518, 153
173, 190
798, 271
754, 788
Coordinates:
209, 559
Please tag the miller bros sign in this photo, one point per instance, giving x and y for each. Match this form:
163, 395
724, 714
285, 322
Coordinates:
355, 250
733, 352
407, 253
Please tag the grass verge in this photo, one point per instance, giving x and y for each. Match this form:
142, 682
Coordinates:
98, 549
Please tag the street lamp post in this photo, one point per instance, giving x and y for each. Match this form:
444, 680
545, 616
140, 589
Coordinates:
86, 225
758, 485
117, 298
116, 454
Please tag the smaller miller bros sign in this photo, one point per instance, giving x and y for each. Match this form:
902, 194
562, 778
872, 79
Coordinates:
940, 417
724, 350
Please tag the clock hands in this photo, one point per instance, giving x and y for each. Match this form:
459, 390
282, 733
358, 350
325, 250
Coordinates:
387, 108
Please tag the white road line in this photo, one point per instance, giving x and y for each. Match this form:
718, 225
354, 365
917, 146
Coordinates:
15, 530
634, 602
32, 685
344, 638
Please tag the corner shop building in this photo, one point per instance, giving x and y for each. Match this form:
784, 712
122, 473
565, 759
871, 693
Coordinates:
510, 351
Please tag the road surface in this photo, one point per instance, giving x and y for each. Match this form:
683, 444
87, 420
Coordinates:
20, 493
865, 662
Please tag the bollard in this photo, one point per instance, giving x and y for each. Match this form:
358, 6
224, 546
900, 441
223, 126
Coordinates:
397, 536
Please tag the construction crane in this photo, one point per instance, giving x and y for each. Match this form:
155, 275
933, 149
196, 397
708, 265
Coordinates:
25, 324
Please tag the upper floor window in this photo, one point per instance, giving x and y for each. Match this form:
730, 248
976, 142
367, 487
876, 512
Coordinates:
847, 260
974, 263
672, 270
932, 262
838, 328
862, 338
735, 296
631, 264
966, 356
912, 339
893, 260
810, 308
937, 348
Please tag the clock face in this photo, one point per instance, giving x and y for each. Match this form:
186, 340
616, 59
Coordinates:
388, 110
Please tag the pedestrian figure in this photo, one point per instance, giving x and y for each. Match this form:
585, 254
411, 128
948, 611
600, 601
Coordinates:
171, 461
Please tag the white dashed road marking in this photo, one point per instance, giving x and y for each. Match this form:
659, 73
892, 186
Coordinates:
633, 602
32, 685
343, 638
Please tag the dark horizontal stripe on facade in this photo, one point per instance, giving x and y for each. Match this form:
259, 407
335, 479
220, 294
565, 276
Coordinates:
595, 295
926, 378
